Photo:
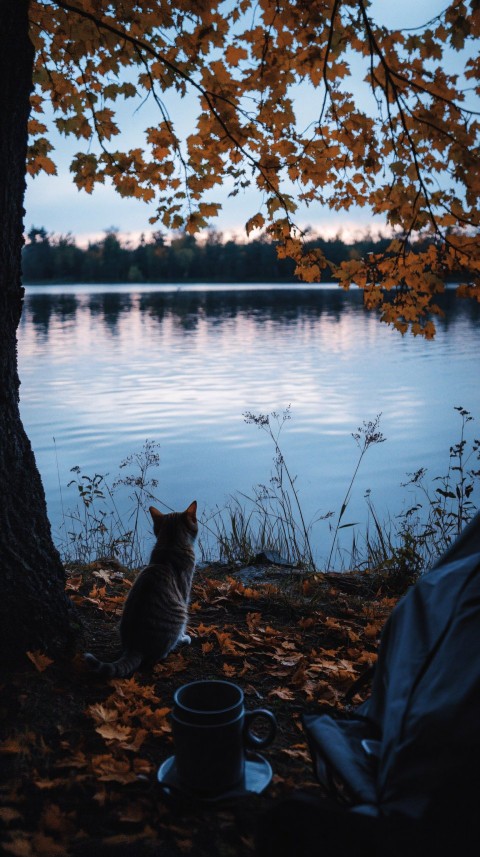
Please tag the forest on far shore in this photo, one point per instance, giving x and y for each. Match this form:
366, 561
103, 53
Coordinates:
48, 258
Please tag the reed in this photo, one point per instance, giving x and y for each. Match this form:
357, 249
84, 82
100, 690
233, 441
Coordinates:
271, 516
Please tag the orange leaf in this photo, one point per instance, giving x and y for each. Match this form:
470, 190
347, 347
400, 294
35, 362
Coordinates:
8, 813
74, 582
371, 630
39, 660
114, 732
20, 847
46, 846
298, 751
102, 714
282, 693
109, 769
332, 624
306, 623
225, 642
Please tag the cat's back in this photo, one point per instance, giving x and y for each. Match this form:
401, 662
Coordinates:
156, 609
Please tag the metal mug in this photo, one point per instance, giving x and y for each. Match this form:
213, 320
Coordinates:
211, 732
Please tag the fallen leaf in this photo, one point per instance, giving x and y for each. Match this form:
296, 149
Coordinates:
12, 745
46, 846
205, 630
371, 630
133, 814
20, 847
114, 732
136, 742
174, 664
101, 714
8, 813
282, 693
109, 769
39, 660
333, 624
103, 574
45, 784
225, 642
297, 751
74, 583
142, 767
367, 658
77, 760
253, 620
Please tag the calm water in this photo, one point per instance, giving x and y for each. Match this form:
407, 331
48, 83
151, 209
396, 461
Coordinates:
105, 367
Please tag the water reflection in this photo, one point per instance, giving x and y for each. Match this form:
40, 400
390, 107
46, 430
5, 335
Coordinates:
284, 306
102, 370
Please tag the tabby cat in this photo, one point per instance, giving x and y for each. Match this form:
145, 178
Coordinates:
156, 610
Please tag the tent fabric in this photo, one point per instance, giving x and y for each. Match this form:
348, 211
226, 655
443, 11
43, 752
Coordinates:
424, 707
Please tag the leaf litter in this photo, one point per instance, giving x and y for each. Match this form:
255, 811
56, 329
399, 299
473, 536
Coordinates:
80, 755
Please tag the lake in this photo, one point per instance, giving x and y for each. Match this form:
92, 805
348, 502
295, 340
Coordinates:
104, 368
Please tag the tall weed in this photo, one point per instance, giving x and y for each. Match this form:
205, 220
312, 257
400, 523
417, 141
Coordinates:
95, 528
271, 517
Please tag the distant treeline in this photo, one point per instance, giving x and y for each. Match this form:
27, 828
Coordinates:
183, 259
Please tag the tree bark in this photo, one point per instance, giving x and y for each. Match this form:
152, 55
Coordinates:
34, 610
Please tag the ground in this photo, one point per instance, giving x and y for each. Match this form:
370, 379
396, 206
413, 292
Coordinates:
79, 755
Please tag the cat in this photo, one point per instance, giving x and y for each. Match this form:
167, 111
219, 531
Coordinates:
155, 614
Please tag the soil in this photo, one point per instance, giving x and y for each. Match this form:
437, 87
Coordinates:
80, 755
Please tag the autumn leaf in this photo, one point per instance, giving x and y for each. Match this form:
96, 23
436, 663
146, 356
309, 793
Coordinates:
253, 620
185, 845
20, 847
114, 732
45, 784
40, 660
8, 814
110, 769
372, 630
333, 624
132, 814
13, 745
282, 693
175, 663
102, 714
297, 751
47, 846
74, 583
104, 574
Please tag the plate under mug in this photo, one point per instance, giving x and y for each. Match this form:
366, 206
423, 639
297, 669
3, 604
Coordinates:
258, 774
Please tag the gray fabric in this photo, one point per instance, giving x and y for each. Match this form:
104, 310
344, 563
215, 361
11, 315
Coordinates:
425, 700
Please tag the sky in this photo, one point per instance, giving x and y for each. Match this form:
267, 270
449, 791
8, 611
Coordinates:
55, 203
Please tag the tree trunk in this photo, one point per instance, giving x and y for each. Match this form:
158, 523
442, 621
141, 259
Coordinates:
34, 610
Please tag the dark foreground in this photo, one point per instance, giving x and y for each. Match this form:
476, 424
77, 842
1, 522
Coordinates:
79, 757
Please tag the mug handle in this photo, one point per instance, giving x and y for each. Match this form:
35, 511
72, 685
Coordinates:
254, 742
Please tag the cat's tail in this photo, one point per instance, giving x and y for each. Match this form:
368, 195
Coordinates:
127, 663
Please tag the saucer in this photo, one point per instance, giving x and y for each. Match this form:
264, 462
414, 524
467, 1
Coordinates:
258, 774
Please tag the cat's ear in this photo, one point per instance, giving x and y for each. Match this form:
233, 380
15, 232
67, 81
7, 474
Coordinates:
192, 511
156, 515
